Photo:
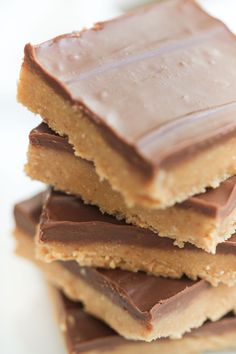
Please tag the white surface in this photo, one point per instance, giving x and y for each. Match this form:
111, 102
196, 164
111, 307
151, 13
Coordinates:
27, 325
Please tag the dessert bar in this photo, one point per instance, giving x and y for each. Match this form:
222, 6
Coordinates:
84, 334
71, 230
138, 306
151, 101
204, 220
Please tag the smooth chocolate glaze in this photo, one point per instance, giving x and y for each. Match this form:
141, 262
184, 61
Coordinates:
85, 332
218, 202
27, 213
66, 219
144, 296
160, 90
44, 136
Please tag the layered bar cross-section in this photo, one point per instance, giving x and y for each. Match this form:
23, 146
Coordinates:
203, 220
138, 306
84, 334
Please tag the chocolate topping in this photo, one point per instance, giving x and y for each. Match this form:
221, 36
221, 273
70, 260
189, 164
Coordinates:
159, 90
67, 219
145, 297
85, 332
27, 213
44, 136
218, 202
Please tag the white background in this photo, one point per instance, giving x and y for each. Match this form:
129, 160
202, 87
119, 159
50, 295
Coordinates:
27, 325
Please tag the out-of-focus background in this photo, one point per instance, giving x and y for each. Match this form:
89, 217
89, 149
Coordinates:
27, 324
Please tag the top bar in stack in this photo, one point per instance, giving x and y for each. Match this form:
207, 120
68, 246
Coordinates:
149, 97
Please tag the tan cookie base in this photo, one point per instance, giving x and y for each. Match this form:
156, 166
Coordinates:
187, 344
207, 168
77, 176
215, 269
211, 303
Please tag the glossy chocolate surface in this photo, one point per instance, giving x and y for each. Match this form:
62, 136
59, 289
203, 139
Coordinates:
159, 89
85, 332
217, 202
46, 137
27, 213
145, 297
66, 219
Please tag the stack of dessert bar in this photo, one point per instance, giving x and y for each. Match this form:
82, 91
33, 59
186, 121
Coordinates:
138, 147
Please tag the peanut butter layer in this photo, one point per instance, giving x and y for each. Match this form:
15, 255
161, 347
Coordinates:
84, 333
204, 220
137, 305
148, 99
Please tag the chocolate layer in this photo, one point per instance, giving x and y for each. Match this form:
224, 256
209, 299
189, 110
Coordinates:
66, 219
145, 297
159, 90
218, 202
85, 332
46, 137
27, 213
